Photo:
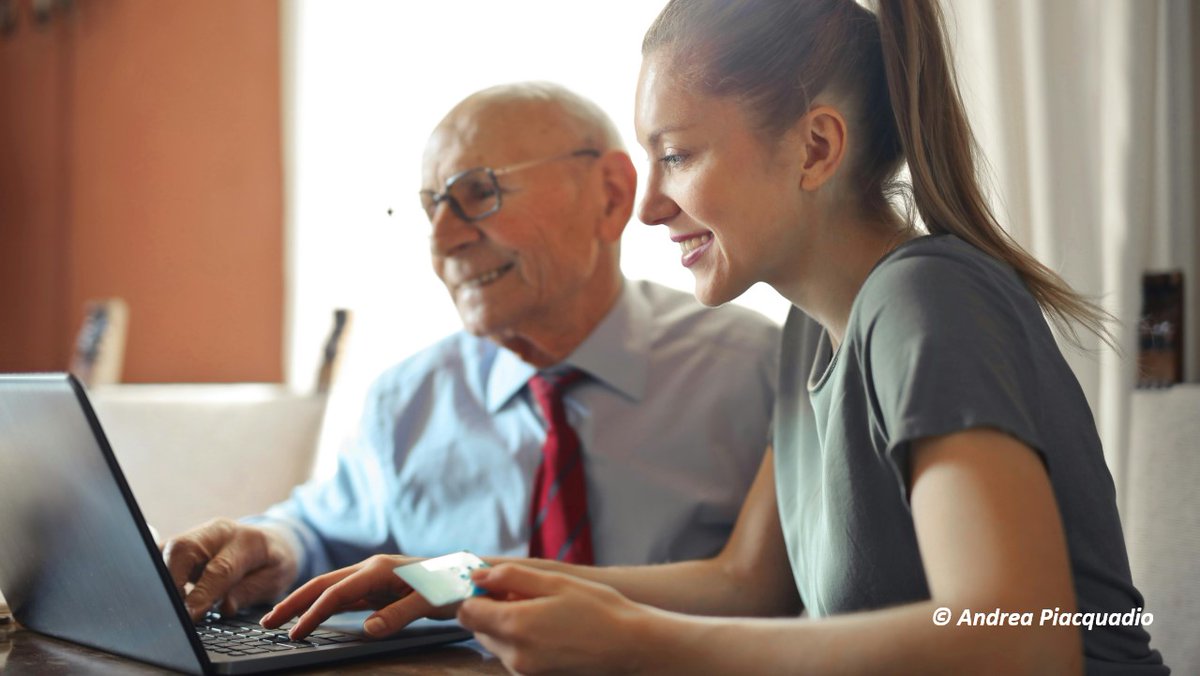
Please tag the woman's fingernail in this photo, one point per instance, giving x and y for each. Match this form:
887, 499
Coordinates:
374, 626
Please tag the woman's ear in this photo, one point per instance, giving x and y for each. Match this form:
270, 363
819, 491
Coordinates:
822, 138
619, 181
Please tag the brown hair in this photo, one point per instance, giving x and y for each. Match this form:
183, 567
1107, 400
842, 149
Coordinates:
893, 73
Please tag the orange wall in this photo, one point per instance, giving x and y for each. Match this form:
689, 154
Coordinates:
152, 170
32, 211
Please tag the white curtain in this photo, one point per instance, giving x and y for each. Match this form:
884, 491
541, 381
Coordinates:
1083, 109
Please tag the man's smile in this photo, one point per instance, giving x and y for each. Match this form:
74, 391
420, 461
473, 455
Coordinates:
486, 278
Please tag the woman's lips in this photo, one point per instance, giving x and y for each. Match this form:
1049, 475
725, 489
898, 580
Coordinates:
693, 246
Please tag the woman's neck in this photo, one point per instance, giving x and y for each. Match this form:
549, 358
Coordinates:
833, 271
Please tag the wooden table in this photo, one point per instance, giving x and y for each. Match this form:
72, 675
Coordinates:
26, 652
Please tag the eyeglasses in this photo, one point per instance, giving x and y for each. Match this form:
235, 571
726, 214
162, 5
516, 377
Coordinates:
474, 194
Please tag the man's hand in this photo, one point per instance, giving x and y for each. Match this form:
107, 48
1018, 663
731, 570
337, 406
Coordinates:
237, 564
369, 584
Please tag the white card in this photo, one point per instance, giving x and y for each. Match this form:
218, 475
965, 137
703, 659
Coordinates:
445, 579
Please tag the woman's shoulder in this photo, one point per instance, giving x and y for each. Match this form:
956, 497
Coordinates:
939, 269
943, 285
936, 258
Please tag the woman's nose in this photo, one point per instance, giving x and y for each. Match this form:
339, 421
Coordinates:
656, 208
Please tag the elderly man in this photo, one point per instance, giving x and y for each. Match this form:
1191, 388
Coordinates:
579, 416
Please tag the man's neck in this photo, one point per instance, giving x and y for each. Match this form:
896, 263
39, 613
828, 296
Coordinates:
548, 340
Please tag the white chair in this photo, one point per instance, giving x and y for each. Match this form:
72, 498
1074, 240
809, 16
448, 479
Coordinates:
193, 452
1162, 519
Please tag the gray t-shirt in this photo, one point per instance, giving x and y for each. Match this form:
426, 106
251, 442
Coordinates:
940, 338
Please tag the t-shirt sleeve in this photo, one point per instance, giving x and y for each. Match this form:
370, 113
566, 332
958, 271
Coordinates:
946, 348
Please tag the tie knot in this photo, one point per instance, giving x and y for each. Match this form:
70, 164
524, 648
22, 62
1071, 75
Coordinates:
548, 387
554, 383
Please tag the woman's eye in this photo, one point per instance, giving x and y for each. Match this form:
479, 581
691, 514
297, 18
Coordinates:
672, 160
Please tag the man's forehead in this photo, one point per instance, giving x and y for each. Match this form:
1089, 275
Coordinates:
493, 134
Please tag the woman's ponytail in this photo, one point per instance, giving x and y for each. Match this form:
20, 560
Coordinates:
940, 151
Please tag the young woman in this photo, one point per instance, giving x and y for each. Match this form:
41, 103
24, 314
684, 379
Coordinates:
936, 498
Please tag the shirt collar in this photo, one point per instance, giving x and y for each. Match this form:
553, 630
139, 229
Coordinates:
617, 353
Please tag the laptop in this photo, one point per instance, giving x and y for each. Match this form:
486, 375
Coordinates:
77, 560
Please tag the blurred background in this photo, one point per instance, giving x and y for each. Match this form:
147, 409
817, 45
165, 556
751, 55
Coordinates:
195, 187
225, 169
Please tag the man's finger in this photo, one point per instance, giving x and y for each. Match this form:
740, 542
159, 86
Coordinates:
183, 559
187, 554
222, 572
258, 587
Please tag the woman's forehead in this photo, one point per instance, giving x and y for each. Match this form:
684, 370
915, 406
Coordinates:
668, 104
660, 103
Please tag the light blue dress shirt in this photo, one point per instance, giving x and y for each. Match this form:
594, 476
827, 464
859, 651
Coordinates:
673, 419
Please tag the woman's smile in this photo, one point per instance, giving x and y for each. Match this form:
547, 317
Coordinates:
693, 246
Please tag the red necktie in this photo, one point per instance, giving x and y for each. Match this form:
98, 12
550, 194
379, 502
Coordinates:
558, 518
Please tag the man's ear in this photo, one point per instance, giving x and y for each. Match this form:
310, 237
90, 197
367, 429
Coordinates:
619, 181
822, 138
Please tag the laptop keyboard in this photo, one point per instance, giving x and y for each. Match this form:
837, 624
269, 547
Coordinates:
234, 637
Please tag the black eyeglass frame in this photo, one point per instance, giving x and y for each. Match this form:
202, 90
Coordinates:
436, 198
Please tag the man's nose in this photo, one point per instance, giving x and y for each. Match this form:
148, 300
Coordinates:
449, 231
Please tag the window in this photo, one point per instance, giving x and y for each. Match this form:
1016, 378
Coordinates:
364, 84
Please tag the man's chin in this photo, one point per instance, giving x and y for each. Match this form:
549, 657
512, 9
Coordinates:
484, 325
512, 341
475, 330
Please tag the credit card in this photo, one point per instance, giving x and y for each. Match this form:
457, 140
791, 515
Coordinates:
444, 579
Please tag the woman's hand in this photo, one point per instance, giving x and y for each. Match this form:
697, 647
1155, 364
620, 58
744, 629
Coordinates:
369, 584
539, 622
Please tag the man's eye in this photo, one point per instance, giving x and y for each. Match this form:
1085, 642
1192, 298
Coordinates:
478, 191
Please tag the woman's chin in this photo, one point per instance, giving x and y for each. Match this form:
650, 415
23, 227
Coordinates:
714, 294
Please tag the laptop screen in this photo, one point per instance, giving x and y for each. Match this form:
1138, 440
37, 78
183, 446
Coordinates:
76, 560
